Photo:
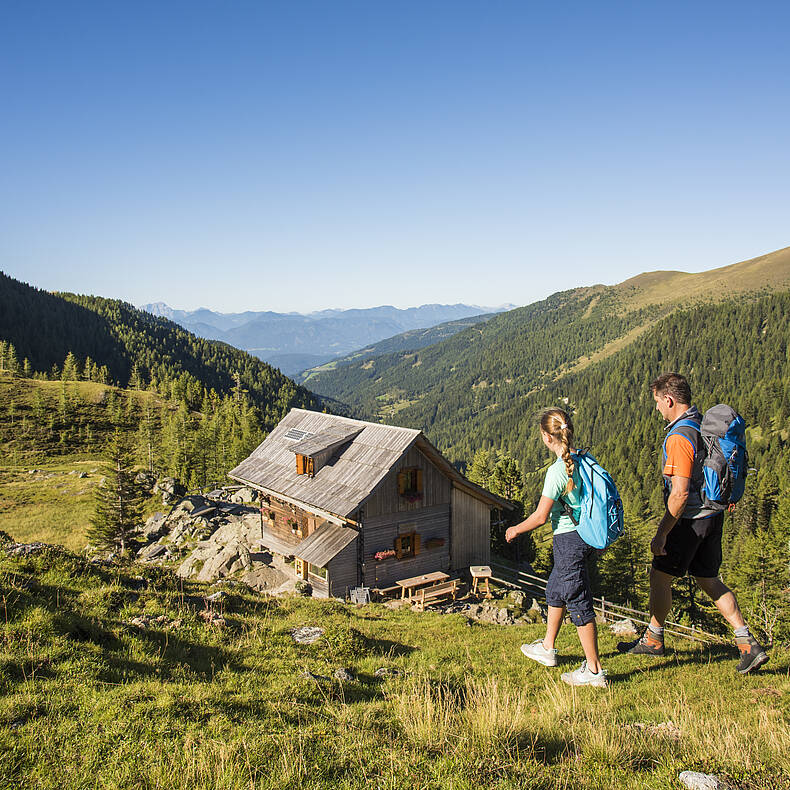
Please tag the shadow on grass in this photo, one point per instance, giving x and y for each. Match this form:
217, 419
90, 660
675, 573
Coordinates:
387, 648
713, 654
175, 659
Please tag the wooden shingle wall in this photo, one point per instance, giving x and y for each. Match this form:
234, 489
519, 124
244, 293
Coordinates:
381, 531
471, 531
385, 498
342, 571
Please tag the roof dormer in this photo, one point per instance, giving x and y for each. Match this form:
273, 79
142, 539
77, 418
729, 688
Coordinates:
317, 449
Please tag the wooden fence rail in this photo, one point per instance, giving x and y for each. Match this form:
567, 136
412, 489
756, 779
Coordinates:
536, 585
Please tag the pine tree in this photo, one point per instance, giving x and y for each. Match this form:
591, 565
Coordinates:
118, 505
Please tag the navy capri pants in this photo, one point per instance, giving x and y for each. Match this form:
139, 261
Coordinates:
569, 581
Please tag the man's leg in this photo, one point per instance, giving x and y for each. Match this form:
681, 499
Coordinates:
724, 598
660, 596
752, 653
651, 643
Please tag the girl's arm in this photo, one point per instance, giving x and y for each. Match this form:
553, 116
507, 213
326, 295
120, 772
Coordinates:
538, 517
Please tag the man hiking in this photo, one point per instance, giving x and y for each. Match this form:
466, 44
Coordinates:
688, 538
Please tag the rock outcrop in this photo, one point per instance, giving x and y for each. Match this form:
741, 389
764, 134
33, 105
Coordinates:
211, 537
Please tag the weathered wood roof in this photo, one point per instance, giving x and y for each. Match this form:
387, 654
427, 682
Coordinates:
327, 541
345, 481
341, 485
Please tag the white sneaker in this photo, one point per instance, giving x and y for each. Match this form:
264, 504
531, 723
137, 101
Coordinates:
583, 677
537, 652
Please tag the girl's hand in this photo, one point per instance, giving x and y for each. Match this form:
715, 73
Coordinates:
511, 533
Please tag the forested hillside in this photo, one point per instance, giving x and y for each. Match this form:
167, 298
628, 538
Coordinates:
113, 342
483, 369
485, 365
412, 340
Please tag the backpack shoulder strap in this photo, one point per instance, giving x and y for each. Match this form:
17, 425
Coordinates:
686, 423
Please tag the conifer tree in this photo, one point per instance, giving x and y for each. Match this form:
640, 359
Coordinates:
71, 368
118, 503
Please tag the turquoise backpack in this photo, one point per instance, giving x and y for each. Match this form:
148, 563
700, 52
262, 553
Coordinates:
600, 520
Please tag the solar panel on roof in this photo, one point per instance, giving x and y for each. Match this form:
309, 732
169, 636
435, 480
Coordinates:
296, 434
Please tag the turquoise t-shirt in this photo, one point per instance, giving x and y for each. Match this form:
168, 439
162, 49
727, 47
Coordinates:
553, 488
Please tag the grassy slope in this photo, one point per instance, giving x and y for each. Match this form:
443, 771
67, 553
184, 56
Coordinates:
53, 504
88, 701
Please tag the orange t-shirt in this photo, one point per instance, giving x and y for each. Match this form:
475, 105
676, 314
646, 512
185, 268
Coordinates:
680, 456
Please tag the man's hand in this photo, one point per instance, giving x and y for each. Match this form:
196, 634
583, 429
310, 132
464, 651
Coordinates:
657, 545
511, 533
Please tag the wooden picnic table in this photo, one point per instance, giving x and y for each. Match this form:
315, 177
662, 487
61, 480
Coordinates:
413, 582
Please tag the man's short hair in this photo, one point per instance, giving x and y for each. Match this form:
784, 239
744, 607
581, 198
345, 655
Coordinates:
674, 385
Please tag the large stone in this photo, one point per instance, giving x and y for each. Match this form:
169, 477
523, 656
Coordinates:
623, 628
697, 781
155, 527
245, 495
170, 489
263, 577
307, 634
220, 565
150, 552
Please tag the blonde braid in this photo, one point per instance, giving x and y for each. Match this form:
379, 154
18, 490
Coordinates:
557, 423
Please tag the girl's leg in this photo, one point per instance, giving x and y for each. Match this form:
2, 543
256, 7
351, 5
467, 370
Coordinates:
588, 636
553, 623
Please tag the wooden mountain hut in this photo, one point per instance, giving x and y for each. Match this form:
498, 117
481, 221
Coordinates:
362, 504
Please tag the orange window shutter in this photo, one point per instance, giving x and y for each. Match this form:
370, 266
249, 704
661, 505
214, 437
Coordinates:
418, 486
311, 467
415, 541
299, 464
398, 548
402, 482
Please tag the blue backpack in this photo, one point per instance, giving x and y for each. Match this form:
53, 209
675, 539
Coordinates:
600, 520
721, 461
726, 464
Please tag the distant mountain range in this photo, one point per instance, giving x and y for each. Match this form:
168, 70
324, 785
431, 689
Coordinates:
296, 341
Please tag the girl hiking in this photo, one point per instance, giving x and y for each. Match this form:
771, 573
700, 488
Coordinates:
568, 587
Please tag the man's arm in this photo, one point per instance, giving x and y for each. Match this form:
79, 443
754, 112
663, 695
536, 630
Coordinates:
676, 504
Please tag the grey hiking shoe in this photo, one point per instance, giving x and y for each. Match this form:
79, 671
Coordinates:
752, 655
537, 652
583, 677
648, 645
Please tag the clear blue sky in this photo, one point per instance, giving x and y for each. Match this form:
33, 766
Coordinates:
302, 155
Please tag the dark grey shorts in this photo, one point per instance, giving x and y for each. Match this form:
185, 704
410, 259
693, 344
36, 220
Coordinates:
693, 546
569, 581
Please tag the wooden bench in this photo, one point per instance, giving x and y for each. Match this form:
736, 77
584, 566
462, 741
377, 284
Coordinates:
434, 591
386, 592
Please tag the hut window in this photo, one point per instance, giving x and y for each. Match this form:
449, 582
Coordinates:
305, 465
410, 483
407, 545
